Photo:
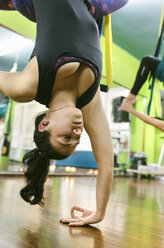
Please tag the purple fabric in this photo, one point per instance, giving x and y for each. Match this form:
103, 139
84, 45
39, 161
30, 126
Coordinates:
26, 8
101, 8
66, 59
97, 8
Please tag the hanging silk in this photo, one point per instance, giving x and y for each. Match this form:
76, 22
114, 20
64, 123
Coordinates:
108, 50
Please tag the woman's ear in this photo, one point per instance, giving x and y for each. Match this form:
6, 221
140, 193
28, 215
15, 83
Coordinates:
43, 125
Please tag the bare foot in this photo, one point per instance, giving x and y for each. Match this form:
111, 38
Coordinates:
125, 106
131, 98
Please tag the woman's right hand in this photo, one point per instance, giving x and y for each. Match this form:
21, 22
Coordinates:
88, 217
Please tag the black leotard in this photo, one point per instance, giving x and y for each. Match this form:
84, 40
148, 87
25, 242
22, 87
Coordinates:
64, 27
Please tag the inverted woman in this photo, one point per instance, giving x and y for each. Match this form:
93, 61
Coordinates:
64, 73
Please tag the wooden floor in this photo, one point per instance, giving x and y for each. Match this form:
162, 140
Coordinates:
134, 218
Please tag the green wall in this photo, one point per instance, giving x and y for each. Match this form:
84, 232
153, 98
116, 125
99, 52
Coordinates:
143, 136
15, 21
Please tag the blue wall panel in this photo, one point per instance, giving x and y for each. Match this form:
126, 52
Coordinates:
82, 159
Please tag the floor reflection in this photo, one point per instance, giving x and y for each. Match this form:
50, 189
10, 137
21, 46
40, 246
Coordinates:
82, 237
134, 217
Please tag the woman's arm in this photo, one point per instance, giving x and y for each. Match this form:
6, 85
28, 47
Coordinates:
96, 125
6, 5
126, 106
12, 84
20, 86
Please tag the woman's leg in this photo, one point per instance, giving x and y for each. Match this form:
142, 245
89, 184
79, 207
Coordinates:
148, 64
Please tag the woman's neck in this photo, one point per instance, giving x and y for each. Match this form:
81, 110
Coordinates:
63, 98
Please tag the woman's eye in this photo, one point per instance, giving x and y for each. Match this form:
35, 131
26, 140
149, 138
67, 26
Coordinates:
67, 137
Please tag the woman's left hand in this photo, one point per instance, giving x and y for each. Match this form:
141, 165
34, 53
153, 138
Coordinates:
88, 217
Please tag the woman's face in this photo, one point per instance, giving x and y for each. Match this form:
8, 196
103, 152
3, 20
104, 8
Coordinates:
65, 127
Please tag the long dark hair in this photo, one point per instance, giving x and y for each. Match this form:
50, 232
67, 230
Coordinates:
37, 161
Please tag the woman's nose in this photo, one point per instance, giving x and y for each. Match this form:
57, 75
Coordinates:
77, 131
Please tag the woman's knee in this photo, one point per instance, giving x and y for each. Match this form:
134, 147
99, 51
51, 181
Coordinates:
147, 59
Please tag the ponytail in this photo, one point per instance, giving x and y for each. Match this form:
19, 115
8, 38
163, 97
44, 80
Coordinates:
36, 175
37, 161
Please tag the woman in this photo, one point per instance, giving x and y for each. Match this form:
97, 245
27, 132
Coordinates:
126, 106
149, 64
63, 73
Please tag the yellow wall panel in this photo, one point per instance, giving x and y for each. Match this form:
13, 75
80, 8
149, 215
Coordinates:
18, 23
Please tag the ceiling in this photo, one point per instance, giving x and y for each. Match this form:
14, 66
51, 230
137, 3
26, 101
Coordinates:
135, 28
